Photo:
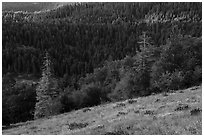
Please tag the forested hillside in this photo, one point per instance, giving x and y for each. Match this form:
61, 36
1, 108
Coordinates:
31, 6
99, 52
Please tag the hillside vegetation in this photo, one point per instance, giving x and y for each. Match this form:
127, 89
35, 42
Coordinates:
178, 112
31, 6
88, 54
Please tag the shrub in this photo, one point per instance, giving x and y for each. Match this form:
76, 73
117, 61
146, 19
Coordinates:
128, 62
92, 95
104, 94
197, 75
119, 105
6, 119
100, 74
89, 95
195, 111
78, 99
188, 78
124, 88
75, 125
18, 104
67, 102
176, 80
149, 112
141, 82
182, 53
86, 109
121, 113
169, 81
181, 107
131, 101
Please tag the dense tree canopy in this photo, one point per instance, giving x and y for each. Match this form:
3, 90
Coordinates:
97, 52
95, 31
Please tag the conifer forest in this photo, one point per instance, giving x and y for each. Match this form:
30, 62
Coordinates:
58, 59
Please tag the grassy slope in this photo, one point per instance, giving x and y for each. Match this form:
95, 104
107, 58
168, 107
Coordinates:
155, 114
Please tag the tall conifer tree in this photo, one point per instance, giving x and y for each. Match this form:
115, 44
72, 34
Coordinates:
44, 91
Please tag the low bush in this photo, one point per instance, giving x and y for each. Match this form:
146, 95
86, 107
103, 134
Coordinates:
119, 105
176, 80
86, 109
169, 81
92, 95
193, 77
18, 104
122, 113
131, 101
124, 89
67, 102
149, 112
89, 95
195, 111
74, 125
181, 107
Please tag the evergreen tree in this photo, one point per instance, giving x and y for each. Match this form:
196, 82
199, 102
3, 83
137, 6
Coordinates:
45, 91
142, 66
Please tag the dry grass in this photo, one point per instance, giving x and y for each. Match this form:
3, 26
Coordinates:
177, 113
